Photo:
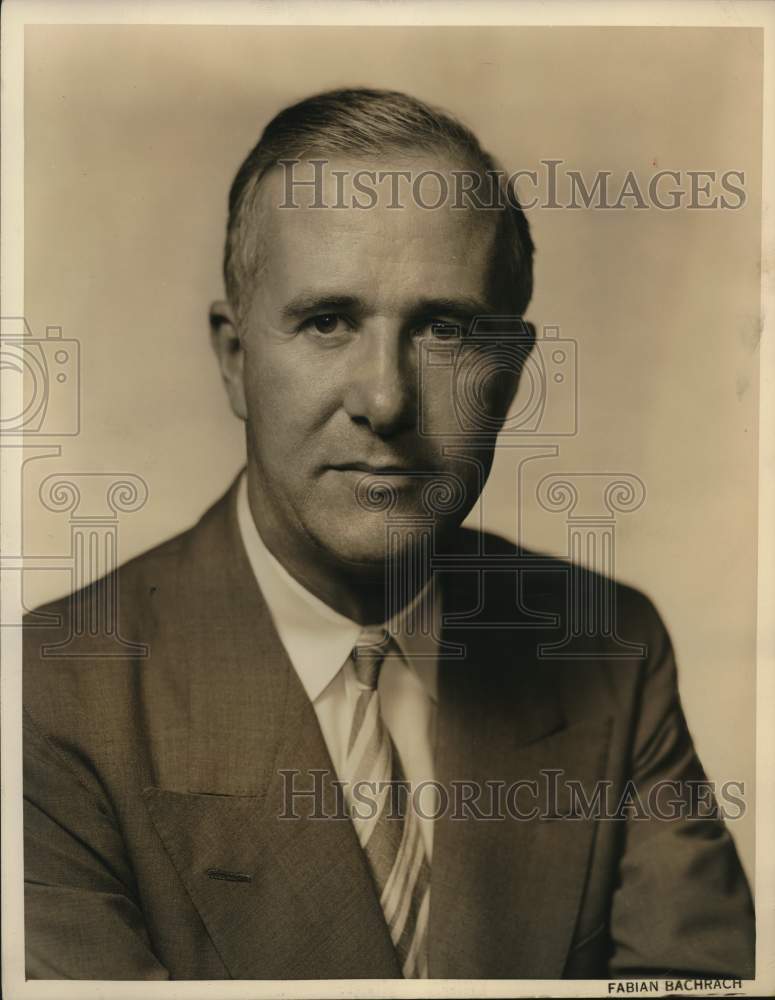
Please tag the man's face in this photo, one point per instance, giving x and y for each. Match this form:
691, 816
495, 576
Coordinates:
345, 301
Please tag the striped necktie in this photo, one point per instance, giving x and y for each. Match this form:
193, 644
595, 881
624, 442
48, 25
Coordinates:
389, 832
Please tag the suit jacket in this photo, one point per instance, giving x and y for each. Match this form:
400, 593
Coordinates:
156, 845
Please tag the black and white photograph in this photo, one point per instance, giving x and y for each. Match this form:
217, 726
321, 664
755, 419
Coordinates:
387, 486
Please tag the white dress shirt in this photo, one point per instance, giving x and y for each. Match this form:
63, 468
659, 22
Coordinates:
318, 641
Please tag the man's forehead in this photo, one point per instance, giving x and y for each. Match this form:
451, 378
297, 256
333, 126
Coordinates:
402, 199
411, 187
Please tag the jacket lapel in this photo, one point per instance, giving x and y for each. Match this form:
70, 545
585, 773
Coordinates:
280, 897
505, 892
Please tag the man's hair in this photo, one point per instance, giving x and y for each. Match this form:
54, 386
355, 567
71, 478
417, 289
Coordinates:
363, 122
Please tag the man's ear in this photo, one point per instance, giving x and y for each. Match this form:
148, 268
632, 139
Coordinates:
227, 345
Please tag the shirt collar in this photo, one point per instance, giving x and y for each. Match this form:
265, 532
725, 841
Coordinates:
318, 639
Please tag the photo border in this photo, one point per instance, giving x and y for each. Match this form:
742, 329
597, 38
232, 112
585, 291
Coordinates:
18, 13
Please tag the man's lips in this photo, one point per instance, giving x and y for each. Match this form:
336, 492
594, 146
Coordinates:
375, 469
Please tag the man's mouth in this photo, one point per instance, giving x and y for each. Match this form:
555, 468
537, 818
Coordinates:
376, 468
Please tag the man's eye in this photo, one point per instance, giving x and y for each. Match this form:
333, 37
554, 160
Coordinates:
325, 323
444, 330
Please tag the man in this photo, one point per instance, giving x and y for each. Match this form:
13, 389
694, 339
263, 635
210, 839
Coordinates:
327, 635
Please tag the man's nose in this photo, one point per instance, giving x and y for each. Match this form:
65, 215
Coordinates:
381, 392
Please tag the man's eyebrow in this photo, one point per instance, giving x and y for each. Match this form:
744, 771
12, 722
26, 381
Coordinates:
462, 307
455, 307
306, 303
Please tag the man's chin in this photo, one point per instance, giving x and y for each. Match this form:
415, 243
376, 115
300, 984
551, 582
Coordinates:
362, 554
363, 546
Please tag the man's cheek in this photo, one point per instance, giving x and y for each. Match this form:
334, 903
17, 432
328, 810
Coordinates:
437, 412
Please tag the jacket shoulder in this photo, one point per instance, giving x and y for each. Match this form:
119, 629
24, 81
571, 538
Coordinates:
132, 580
551, 581
88, 648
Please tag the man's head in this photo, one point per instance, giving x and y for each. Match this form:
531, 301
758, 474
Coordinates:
335, 297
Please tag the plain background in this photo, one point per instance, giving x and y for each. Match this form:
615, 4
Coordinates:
132, 137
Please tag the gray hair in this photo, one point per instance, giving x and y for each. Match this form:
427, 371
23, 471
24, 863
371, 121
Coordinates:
363, 122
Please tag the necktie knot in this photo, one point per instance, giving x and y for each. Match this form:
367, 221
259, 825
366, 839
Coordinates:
368, 655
